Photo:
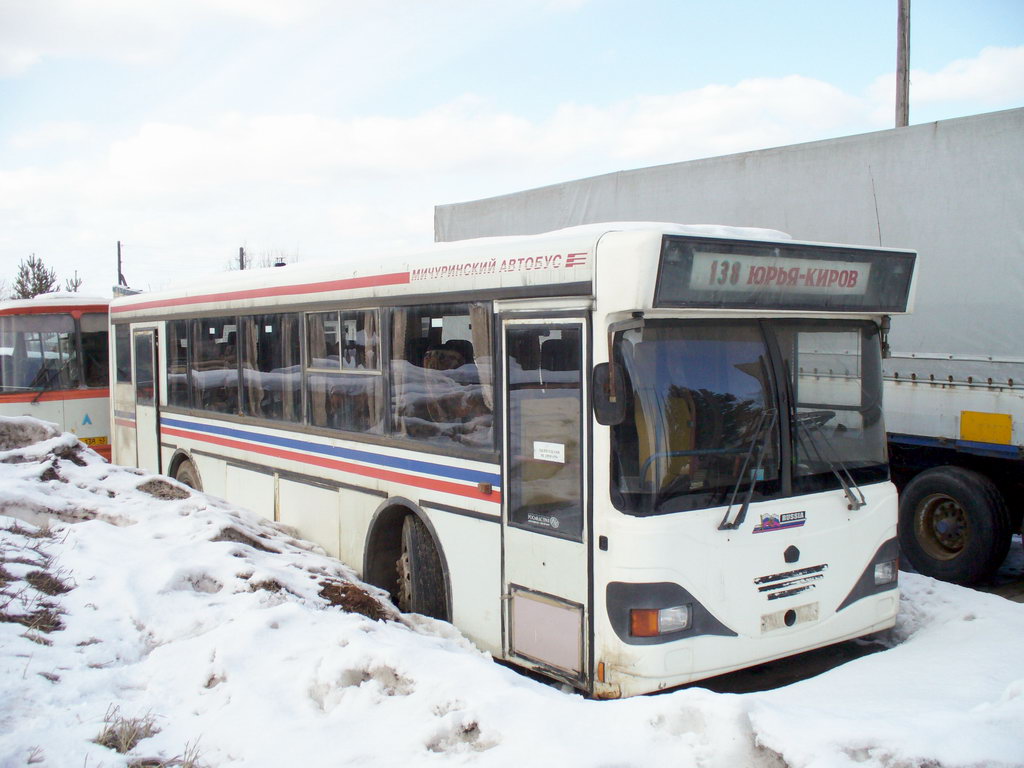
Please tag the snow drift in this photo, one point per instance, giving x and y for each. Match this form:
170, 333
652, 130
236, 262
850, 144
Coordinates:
128, 598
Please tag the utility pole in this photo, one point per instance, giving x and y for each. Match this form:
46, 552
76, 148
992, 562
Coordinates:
903, 64
120, 274
241, 257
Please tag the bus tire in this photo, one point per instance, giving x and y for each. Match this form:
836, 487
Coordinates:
421, 584
187, 474
953, 525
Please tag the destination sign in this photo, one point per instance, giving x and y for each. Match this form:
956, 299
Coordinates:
703, 272
745, 272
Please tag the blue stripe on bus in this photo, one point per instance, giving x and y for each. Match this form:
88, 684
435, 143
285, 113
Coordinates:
392, 462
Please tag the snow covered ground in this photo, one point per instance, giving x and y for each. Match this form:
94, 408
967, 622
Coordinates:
128, 600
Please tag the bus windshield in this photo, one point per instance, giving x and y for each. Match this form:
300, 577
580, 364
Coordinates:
710, 403
47, 351
38, 352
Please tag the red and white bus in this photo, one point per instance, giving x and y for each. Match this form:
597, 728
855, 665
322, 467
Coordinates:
53, 364
624, 456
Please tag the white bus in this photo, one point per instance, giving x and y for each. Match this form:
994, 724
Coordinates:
53, 364
627, 457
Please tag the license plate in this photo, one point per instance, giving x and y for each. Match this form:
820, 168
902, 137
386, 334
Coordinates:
94, 440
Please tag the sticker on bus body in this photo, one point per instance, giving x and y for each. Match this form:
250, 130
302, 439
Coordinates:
545, 521
773, 522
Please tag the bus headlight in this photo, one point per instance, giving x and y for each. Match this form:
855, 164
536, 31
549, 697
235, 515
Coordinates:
651, 622
886, 572
880, 575
650, 613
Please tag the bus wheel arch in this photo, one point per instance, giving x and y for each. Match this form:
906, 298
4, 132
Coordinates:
184, 470
403, 555
953, 524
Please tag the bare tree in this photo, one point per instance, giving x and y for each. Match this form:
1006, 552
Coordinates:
33, 278
72, 284
246, 260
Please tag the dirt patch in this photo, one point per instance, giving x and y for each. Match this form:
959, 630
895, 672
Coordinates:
72, 453
236, 536
22, 432
161, 489
353, 599
52, 473
268, 585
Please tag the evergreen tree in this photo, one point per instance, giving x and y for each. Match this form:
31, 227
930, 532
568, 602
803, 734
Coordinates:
72, 284
33, 278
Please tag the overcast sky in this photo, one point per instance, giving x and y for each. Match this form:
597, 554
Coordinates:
323, 129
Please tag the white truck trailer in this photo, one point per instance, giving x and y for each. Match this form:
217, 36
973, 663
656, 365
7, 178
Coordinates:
953, 191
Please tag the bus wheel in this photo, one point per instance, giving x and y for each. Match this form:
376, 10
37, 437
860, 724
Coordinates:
187, 474
954, 525
421, 587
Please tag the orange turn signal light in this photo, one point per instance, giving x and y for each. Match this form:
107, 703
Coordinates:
643, 622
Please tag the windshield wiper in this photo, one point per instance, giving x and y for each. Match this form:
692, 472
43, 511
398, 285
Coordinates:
48, 378
815, 420
764, 427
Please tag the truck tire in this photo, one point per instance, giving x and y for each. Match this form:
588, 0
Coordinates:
954, 525
421, 584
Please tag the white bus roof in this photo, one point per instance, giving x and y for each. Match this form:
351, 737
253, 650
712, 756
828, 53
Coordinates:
51, 301
563, 258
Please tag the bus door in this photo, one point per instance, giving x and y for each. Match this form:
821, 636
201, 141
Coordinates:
147, 417
545, 520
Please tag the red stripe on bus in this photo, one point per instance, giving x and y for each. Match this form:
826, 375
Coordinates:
348, 284
55, 394
444, 486
124, 423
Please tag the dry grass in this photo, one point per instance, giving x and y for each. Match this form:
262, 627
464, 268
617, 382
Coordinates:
121, 733
187, 759
49, 583
23, 599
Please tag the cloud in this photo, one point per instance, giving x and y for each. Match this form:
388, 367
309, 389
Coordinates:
134, 32
467, 137
995, 75
993, 78
192, 192
50, 134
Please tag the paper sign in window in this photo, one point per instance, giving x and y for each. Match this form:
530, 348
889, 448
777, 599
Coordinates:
554, 452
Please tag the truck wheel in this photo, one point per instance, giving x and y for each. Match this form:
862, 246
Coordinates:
954, 525
421, 585
186, 474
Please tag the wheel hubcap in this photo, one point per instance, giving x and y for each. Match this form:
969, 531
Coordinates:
942, 527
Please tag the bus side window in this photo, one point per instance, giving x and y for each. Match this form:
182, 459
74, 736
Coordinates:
177, 363
344, 381
123, 353
215, 364
441, 366
94, 350
271, 367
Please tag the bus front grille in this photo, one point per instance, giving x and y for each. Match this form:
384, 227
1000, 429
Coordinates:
779, 585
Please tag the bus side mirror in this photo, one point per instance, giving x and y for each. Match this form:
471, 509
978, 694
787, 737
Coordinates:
609, 393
